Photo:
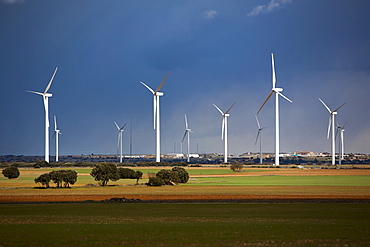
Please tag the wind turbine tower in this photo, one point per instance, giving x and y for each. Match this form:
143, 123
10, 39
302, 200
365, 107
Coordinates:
56, 135
341, 130
332, 125
156, 95
259, 135
187, 132
278, 93
120, 130
224, 128
45, 97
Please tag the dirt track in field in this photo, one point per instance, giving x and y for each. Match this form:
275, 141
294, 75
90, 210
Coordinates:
210, 193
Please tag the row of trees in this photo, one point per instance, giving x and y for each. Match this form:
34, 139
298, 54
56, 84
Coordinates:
62, 178
105, 172
109, 171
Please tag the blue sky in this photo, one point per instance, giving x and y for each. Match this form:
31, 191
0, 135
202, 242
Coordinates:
217, 52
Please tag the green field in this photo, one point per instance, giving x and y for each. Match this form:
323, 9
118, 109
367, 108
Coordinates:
105, 224
27, 179
285, 181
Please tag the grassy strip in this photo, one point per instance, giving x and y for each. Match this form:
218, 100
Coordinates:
185, 224
284, 181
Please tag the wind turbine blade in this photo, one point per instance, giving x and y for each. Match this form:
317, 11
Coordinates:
184, 136
51, 80
282, 95
55, 123
154, 110
35, 92
268, 97
329, 128
325, 105
119, 138
160, 85
223, 128
123, 127
258, 134
54, 134
186, 122
218, 109
258, 123
344, 125
151, 90
336, 132
273, 70
116, 125
339, 107
230, 108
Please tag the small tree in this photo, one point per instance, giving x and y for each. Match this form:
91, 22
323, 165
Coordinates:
43, 179
57, 178
105, 172
11, 172
182, 173
236, 166
126, 173
69, 177
169, 177
138, 175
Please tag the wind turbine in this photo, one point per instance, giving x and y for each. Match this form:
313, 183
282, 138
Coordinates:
278, 93
187, 132
45, 96
56, 134
224, 128
332, 123
156, 95
120, 130
259, 134
341, 129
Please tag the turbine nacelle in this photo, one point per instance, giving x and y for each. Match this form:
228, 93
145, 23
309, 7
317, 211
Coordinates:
159, 94
277, 89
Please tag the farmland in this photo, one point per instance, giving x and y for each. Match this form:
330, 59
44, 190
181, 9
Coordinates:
204, 184
275, 207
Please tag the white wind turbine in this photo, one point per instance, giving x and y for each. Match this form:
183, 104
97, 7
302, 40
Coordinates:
332, 125
56, 135
45, 96
224, 128
259, 134
340, 129
277, 92
187, 132
120, 130
156, 95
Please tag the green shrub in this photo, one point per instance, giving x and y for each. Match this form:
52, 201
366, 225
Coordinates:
11, 172
182, 173
236, 166
155, 181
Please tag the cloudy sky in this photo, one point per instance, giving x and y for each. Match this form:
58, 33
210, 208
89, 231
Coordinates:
216, 52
